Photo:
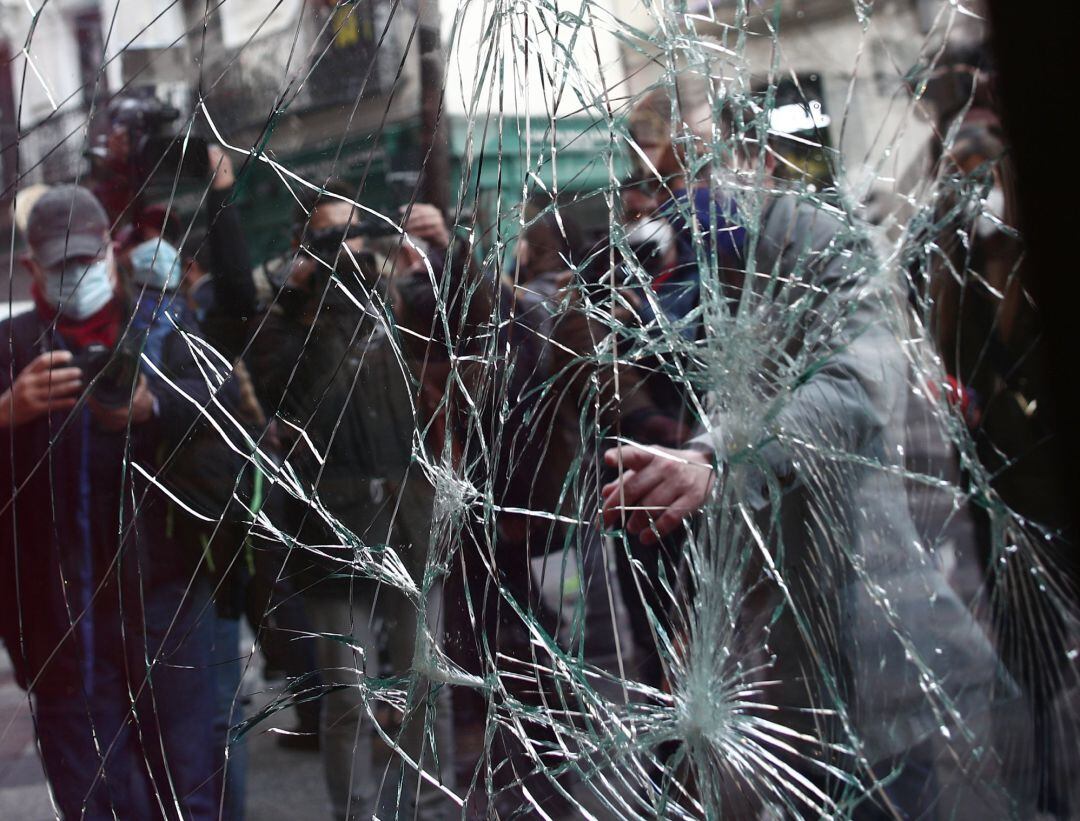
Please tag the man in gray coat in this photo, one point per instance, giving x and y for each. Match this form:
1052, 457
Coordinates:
839, 672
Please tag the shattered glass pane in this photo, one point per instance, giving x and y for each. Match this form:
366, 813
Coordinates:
607, 409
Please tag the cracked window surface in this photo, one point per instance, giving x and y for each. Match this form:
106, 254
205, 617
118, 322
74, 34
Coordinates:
549, 410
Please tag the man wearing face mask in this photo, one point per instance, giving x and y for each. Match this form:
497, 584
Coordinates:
652, 240
704, 225
100, 606
795, 462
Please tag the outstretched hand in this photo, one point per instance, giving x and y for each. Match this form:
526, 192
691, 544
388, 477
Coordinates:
656, 489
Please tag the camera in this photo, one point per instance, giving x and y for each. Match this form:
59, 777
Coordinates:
326, 243
155, 146
111, 371
608, 267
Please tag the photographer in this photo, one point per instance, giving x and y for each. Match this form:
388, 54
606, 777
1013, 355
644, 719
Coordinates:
143, 144
101, 607
325, 365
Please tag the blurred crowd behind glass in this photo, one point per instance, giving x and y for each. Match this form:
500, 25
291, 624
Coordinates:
606, 410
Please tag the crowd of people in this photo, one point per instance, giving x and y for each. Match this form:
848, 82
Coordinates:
186, 449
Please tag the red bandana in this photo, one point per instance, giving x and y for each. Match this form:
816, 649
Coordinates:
663, 277
102, 327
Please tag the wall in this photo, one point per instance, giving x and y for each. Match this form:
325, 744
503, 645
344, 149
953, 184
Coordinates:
876, 129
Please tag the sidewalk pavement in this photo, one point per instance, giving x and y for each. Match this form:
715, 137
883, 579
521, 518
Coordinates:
282, 785
23, 791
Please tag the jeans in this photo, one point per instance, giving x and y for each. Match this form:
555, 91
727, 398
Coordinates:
130, 734
232, 756
176, 707
88, 779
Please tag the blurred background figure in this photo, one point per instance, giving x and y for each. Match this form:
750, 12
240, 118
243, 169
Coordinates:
373, 252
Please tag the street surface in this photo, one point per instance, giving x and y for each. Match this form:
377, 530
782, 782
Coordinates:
283, 785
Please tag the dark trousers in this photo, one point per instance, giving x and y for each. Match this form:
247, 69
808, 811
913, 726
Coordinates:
228, 674
125, 721
71, 734
650, 606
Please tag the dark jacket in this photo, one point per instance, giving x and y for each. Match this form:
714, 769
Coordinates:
344, 402
225, 303
77, 512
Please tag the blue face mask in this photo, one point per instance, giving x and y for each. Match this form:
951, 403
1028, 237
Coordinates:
156, 264
711, 206
78, 290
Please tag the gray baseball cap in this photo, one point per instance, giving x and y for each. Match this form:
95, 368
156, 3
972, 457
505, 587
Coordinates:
67, 221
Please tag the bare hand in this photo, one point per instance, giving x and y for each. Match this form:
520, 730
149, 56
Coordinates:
410, 260
301, 271
113, 419
222, 168
657, 486
43, 386
426, 222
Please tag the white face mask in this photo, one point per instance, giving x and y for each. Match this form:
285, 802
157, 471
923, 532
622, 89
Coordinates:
79, 290
655, 230
993, 213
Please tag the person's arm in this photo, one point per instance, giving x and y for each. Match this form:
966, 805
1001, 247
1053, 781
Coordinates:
852, 376
853, 371
233, 282
178, 389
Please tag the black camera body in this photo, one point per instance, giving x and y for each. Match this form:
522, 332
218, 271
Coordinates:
112, 372
326, 243
649, 257
156, 146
